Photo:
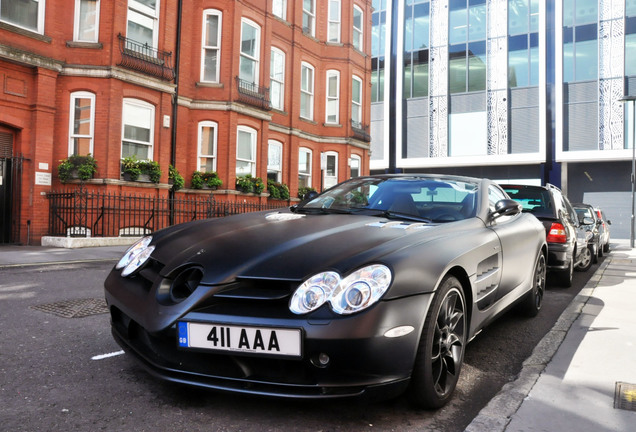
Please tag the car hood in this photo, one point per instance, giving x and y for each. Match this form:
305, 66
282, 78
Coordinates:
285, 245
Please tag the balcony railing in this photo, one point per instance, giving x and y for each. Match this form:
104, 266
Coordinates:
360, 131
145, 59
253, 94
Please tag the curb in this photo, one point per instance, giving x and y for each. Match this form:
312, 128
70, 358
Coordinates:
496, 416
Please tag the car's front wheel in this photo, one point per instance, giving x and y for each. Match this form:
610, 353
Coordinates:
441, 350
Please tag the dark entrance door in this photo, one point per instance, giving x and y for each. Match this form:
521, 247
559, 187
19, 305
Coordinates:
8, 182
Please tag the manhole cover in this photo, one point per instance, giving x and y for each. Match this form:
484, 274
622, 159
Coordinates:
74, 308
625, 396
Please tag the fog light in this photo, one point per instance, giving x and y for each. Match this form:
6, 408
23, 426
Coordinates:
321, 360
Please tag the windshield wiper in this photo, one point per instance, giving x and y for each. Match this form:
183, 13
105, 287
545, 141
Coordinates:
322, 210
397, 215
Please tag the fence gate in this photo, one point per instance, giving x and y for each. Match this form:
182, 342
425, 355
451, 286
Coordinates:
10, 187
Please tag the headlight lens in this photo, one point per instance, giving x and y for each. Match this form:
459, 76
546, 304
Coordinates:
135, 256
354, 293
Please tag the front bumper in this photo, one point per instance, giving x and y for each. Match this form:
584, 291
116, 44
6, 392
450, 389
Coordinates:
361, 359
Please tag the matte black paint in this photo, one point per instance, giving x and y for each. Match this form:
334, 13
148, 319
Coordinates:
493, 257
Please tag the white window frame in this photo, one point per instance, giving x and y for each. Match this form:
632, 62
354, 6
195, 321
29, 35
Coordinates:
356, 105
139, 105
205, 48
327, 179
310, 15
91, 133
138, 12
279, 9
252, 58
78, 21
305, 174
40, 18
358, 34
277, 77
251, 162
334, 22
272, 165
307, 90
332, 99
353, 161
200, 154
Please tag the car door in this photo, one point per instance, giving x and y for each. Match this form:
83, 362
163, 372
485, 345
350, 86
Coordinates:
518, 250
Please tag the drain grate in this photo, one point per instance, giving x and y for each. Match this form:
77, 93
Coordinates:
74, 308
625, 396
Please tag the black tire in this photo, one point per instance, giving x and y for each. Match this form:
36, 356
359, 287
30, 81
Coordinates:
564, 277
595, 254
586, 262
440, 353
531, 303
600, 250
606, 247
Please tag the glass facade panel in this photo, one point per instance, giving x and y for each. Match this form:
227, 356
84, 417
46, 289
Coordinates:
523, 43
416, 41
580, 40
630, 37
467, 53
378, 40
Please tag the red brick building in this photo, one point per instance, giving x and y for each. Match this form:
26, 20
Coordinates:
277, 89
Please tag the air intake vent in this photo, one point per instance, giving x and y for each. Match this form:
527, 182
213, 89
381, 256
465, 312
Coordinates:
185, 283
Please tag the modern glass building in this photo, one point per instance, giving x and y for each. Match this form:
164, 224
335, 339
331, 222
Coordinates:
514, 90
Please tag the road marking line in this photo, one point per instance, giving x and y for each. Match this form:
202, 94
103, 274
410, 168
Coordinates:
103, 356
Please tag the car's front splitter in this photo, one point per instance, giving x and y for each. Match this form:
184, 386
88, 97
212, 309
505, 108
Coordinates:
361, 359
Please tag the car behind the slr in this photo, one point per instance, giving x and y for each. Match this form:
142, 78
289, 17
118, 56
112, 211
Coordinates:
373, 287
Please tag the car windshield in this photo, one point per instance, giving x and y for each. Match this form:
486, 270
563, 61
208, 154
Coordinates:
584, 212
413, 198
533, 200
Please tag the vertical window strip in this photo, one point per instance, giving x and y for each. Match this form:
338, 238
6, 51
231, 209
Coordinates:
208, 132
333, 29
211, 46
333, 97
82, 123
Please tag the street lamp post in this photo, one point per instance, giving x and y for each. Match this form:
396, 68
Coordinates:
632, 99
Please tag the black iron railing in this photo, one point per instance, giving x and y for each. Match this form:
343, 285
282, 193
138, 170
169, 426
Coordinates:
80, 213
145, 59
253, 94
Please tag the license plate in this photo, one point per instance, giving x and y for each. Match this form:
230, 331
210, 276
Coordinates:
220, 337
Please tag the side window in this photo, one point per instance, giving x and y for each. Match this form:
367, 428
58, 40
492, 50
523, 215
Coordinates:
82, 124
494, 195
86, 28
211, 46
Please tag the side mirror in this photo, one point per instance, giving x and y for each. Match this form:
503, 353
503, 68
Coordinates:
588, 221
609, 222
310, 195
506, 207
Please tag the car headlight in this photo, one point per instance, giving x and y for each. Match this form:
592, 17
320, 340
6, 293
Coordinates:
354, 293
135, 256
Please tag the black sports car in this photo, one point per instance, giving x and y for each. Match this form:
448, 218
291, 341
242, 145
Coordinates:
377, 284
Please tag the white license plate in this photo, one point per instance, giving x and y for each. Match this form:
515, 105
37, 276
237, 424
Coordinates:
221, 337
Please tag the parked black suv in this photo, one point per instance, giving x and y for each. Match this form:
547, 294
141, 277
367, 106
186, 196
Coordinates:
566, 243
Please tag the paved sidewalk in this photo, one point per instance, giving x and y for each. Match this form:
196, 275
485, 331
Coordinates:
569, 383
34, 255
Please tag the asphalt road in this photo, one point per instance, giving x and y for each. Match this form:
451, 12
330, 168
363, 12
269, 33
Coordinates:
62, 373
